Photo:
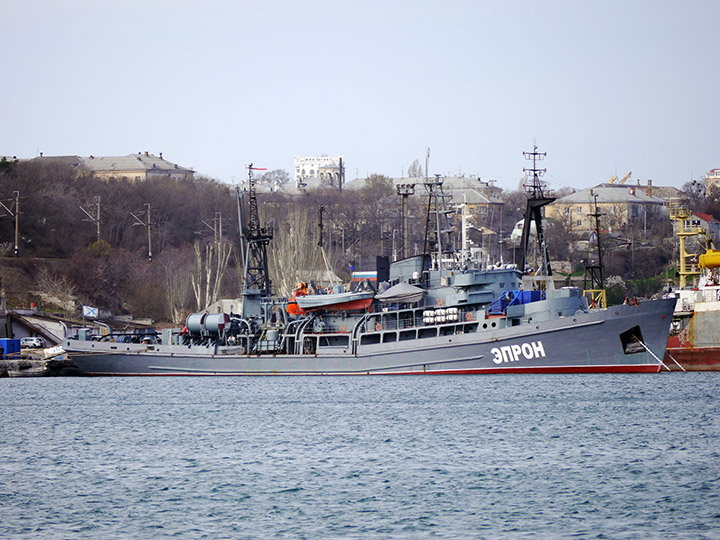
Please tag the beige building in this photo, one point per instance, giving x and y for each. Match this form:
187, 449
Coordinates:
135, 167
620, 204
712, 179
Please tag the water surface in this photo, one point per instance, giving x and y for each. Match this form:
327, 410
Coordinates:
510, 456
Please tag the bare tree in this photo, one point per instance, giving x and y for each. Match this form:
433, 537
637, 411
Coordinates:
295, 255
695, 191
276, 177
210, 264
177, 285
56, 290
415, 170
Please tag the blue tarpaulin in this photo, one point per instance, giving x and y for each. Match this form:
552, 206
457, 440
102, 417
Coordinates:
514, 298
10, 345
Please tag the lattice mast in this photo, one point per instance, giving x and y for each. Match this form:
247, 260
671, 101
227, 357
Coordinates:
595, 292
594, 272
438, 235
254, 242
538, 196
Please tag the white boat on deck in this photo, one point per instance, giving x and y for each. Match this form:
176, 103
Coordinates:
402, 293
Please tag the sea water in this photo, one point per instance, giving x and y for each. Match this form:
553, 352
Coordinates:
506, 456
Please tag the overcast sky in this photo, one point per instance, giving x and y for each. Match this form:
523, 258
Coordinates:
604, 87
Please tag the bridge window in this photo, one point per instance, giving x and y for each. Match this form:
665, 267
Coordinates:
427, 332
370, 339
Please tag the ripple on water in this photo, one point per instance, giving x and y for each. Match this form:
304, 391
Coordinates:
596, 456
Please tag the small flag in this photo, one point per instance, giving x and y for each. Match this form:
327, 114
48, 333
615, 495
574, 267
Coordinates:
91, 312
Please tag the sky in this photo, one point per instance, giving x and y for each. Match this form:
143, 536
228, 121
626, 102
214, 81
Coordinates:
604, 87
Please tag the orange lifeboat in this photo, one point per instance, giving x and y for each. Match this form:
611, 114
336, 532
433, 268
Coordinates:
292, 307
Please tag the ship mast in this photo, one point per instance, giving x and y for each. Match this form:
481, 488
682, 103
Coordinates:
680, 212
255, 239
538, 197
594, 271
438, 206
404, 191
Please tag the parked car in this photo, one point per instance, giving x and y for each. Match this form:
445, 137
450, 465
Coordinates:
32, 343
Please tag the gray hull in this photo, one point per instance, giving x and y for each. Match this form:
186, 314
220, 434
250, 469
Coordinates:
620, 339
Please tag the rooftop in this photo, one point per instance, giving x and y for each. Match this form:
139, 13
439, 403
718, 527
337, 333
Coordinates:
617, 193
139, 161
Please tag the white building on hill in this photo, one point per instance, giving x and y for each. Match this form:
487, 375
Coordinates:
316, 171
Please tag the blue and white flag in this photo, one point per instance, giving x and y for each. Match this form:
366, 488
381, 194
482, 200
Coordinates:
91, 312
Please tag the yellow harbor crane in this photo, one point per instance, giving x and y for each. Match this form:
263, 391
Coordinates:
625, 178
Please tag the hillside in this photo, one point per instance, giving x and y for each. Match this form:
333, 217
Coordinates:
63, 264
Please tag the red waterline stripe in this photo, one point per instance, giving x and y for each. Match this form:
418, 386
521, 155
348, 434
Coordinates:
638, 368
565, 369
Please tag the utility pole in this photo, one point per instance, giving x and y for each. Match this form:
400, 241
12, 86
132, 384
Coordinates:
17, 223
320, 227
143, 224
95, 219
342, 175
14, 211
149, 237
216, 227
427, 159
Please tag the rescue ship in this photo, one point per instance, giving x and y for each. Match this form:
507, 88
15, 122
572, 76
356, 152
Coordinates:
694, 343
440, 313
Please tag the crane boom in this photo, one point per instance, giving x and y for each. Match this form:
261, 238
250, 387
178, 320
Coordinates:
625, 177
